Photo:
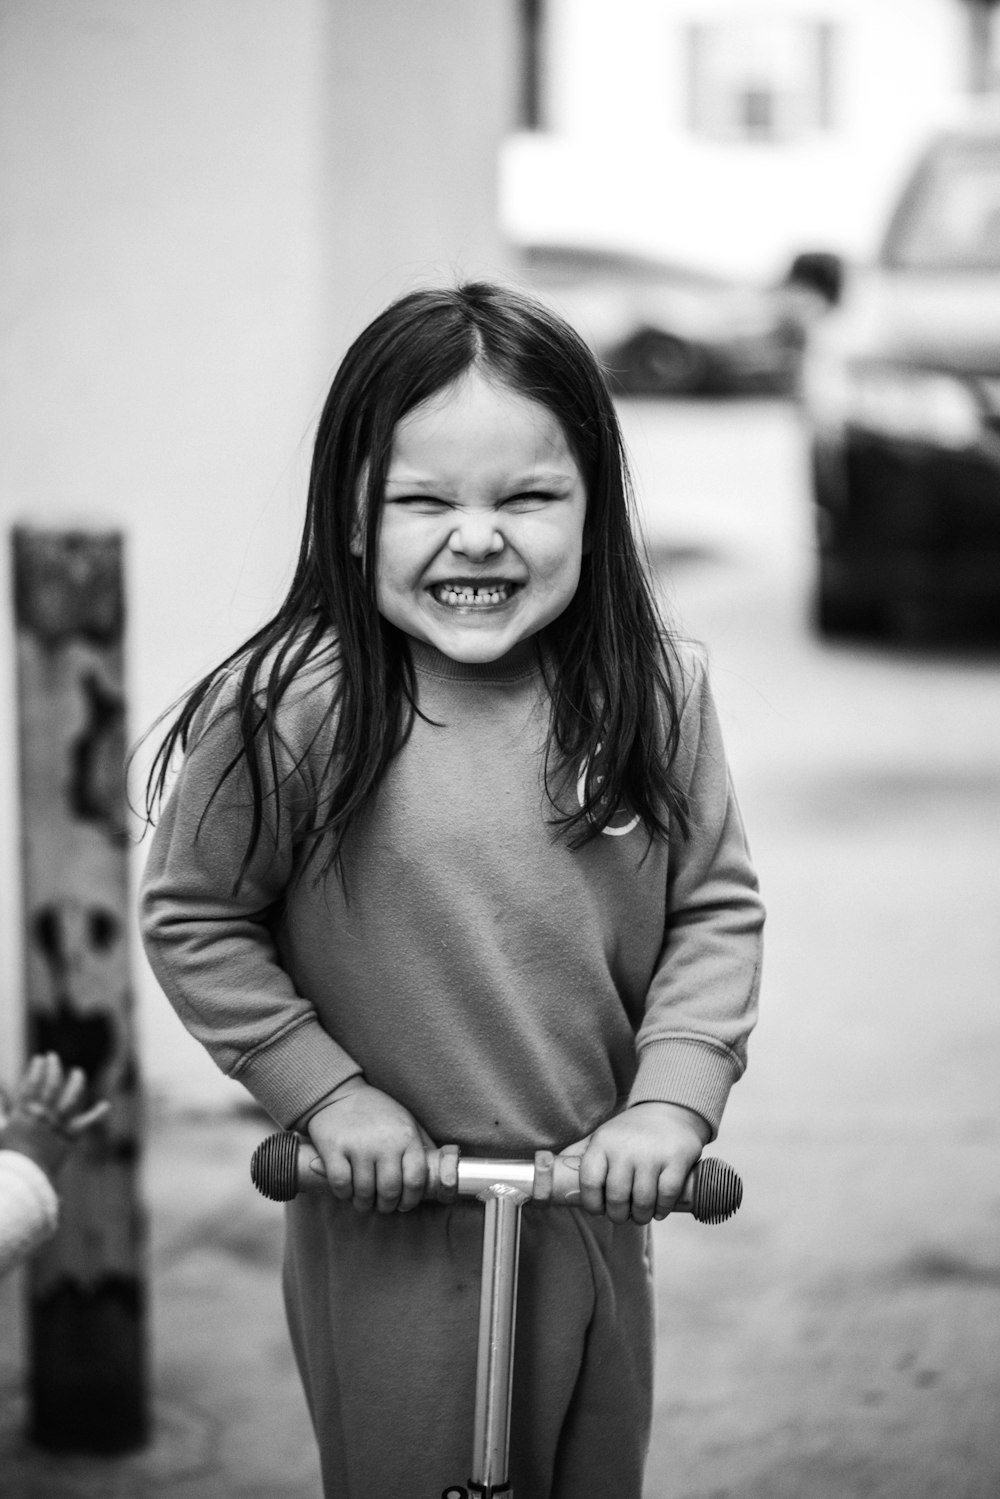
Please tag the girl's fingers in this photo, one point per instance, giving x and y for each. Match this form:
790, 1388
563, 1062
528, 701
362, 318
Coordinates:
668, 1190
340, 1176
593, 1175
644, 1194
414, 1177
572, 1159
618, 1192
388, 1184
363, 1177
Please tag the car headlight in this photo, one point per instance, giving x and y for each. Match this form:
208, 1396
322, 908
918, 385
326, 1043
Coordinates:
910, 404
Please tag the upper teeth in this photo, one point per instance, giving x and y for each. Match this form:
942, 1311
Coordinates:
464, 593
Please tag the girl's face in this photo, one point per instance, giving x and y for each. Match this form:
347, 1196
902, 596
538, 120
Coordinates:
481, 533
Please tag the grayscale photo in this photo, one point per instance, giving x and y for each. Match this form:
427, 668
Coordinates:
500, 786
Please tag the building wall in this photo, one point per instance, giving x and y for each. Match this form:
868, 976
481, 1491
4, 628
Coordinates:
201, 201
622, 164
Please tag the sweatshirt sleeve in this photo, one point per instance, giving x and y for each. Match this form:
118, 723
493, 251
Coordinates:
211, 946
29, 1208
702, 1002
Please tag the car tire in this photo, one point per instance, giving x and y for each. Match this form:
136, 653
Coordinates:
655, 363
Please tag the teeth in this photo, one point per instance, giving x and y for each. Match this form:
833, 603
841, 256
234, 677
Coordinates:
455, 595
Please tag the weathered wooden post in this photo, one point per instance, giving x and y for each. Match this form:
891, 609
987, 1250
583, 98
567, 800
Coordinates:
88, 1379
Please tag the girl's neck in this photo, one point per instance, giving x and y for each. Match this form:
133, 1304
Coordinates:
521, 662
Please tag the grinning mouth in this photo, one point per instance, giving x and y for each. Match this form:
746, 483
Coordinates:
456, 595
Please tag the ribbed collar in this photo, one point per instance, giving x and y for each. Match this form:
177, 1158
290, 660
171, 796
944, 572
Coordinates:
516, 666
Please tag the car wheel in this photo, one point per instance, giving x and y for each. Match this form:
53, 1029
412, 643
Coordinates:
654, 363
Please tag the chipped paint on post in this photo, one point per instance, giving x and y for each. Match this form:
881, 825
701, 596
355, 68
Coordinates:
88, 1302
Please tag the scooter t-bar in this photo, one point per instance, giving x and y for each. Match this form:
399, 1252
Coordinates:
285, 1165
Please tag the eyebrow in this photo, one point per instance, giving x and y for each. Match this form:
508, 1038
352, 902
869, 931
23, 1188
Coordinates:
530, 480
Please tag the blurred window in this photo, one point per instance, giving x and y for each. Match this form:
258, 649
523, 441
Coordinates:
760, 80
532, 97
949, 219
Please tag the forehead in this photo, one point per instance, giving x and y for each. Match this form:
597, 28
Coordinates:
480, 423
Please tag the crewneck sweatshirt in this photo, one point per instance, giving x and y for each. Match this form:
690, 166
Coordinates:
512, 992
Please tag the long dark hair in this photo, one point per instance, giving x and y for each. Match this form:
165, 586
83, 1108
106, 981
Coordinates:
609, 661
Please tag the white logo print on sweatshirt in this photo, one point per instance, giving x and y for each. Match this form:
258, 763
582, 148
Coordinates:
613, 830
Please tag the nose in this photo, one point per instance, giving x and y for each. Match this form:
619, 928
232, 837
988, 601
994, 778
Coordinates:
476, 536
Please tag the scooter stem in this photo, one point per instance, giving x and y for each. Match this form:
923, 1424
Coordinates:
495, 1364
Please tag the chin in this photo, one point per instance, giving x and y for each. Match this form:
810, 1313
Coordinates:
475, 652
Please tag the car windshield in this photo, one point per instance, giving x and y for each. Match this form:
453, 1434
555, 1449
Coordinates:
949, 218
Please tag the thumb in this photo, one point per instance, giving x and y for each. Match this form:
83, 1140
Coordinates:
577, 1151
569, 1160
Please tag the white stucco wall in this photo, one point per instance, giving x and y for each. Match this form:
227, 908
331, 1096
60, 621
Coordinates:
620, 166
200, 202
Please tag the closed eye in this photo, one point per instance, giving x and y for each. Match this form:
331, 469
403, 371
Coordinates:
428, 504
419, 504
532, 499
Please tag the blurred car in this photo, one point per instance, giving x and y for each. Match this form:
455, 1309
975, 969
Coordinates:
664, 329
901, 389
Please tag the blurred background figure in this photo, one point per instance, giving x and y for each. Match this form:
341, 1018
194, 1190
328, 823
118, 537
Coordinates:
201, 204
45, 1119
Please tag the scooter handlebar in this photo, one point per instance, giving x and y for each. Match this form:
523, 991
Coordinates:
285, 1164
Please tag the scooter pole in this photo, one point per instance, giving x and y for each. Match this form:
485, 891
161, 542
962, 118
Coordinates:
495, 1361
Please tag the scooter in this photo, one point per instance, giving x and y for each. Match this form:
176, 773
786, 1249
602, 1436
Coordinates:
286, 1164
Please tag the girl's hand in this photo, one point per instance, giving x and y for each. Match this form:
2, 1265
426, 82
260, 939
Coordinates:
374, 1152
634, 1166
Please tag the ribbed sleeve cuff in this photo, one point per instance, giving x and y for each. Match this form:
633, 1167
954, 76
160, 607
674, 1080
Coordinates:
296, 1071
687, 1072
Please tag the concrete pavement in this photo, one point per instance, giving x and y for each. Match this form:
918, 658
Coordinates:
229, 1420
836, 1339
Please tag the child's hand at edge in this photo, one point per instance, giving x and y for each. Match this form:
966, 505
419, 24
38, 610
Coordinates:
635, 1165
47, 1116
373, 1150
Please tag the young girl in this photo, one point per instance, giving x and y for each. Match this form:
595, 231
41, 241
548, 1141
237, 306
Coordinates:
453, 857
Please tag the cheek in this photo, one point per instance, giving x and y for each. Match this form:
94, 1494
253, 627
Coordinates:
401, 554
559, 557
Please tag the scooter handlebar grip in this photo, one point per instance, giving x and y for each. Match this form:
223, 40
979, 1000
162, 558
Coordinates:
274, 1166
285, 1164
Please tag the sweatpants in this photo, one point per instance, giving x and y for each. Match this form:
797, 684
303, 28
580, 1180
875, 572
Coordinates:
383, 1313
